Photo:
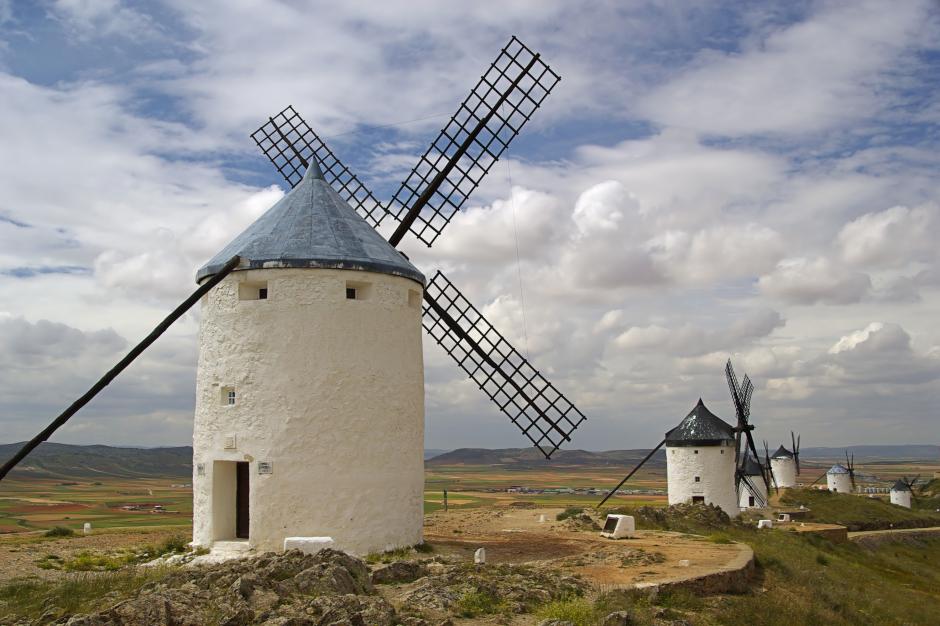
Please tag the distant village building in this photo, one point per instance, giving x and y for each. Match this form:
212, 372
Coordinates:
753, 495
310, 384
700, 463
901, 494
838, 479
783, 467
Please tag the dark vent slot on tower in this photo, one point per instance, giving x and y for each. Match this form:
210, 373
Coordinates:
356, 290
255, 290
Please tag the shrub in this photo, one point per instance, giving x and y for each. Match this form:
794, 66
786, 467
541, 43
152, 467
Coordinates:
59, 531
578, 611
571, 511
424, 548
479, 602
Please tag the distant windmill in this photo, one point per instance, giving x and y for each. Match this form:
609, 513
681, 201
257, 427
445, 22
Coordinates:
310, 386
902, 491
841, 478
785, 464
704, 457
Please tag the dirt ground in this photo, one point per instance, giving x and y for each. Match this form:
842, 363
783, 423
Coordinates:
509, 534
515, 535
20, 553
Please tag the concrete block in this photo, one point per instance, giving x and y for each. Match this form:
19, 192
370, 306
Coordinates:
479, 557
765, 523
86, 529
307, 545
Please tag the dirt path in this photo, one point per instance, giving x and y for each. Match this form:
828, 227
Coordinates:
517, 536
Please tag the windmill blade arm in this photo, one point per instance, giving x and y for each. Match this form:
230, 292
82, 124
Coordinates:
532, 403
500, 104
753, 449
630, 475
289, 143
105, 380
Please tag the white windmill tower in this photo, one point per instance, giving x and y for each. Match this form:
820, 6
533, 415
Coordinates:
310, 385
310, 398
841, 478
902, 491
700, 461
785, 464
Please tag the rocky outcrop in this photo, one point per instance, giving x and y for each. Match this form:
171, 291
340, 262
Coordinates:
329, 588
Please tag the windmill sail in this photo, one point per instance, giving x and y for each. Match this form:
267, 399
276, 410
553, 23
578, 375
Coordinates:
289, 143
500, 104
532, 403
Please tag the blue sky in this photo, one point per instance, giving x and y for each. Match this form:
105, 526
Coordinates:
708, 180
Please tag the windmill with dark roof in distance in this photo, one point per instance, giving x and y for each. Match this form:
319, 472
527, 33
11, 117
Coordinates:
310, 383
902, 491
841, 478
700, 463
785, 464
704, 460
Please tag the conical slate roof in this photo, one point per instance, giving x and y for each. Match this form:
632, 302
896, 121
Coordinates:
751, 467
782, 453
838, 468
700, 427
900, 485
312, 226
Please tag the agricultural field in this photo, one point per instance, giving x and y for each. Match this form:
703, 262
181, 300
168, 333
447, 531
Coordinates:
36, 504
40, 504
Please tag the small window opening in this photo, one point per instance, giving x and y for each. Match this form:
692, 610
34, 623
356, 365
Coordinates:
698, 479
750, 501
255, 290
698, 499
228, 396
722, 451
696, 451
356, 290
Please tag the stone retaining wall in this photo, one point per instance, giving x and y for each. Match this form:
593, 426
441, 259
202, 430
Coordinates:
735, 577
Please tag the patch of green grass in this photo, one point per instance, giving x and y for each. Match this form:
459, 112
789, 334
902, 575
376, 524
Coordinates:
59, 531
722, 538
571, 511
480, 602
578, 611
28, 599
857, 512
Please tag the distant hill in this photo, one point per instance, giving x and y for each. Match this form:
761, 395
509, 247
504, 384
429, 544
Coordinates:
910, 452
525, 458
65, 461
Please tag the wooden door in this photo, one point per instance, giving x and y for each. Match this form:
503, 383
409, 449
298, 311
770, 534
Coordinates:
241, 500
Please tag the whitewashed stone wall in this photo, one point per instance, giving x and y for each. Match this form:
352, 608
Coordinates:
839, 482
714, 465
330, 392
901, 498
784, 471
759, 492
